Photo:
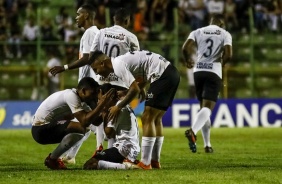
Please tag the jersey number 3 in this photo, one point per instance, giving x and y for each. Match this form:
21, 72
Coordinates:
209, 47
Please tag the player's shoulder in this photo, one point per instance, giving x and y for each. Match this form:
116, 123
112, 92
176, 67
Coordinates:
92, 29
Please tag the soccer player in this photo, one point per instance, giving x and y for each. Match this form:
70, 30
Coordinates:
114, 41
125, 149
53, 120
214, 50
136, 69
84, 19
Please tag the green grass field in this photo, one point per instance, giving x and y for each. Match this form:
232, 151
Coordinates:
246, 155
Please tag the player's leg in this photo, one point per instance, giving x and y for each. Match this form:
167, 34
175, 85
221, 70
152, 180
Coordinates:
207, 88
155, 161
149, 136
69, 157
206, 136
106, 159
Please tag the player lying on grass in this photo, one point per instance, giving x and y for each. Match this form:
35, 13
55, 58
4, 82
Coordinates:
126, 148
53, 121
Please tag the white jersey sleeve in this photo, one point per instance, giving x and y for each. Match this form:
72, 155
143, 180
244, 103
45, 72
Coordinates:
122, 72
84, 48
73, 101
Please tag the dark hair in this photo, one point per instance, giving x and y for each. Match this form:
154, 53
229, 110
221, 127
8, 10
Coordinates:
105, 87
122, 14
90, 9
94, 56
87, 82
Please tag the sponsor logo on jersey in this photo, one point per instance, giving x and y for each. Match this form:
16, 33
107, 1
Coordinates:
205, 65
150, 96
217, 32
117, 37
111, 77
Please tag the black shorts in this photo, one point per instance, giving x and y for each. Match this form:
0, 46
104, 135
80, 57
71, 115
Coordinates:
51, 133
162, 91
110, 155
207, 85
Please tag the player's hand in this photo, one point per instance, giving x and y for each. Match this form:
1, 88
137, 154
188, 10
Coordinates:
190, 63
56, 69
142, 95
113, 114
107, 98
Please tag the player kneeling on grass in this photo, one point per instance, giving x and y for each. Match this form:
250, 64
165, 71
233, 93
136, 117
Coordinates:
126, 148
53, 121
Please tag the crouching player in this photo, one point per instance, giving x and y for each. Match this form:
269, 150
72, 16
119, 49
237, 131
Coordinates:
126, 148
53, 121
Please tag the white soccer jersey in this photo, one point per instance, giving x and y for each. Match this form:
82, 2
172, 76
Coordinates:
210, 41
114, 41
139, 65
127, 134
57, 106
84, 47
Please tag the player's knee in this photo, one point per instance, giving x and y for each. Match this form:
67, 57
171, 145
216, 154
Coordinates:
91, 164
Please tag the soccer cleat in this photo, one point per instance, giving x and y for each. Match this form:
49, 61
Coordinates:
192, 138
155, 164
54, 164
100, 148
68, 160
208, 149
131, 165
141, 165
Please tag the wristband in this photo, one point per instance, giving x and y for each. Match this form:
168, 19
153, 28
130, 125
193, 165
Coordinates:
66, 67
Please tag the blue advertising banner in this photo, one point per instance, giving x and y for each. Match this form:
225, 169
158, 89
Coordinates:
227, 113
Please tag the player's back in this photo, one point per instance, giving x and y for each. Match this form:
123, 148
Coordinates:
210, 41
115, 41
56, 105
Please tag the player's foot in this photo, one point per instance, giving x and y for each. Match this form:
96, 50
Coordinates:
208, 149
100, 148
68, 160
54, 164
155, 164
192, 138
141, 165
131, 165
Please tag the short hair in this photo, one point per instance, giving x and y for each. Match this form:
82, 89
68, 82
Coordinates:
94, 56
122, 14
217, 17
105, 87
89, 9
88, 83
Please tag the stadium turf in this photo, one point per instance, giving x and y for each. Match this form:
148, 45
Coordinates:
241, 155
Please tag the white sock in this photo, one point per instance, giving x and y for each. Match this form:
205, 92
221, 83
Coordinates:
206, 133
201, 118
93, 128
111, 141
147, 148
110, 165
100, 135
74, 150
156, 153
67, 142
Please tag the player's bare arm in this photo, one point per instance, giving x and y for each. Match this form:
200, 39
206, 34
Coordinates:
188, 49
133, 91
86, 118
78, 63
227, 54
